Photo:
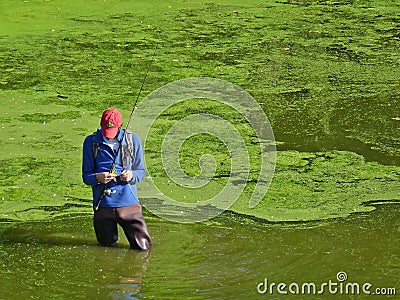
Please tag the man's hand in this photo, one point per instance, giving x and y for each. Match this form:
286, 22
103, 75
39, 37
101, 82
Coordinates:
126, 175
105, 177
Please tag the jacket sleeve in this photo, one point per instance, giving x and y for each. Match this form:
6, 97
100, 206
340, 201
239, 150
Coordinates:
138, 168
88, 167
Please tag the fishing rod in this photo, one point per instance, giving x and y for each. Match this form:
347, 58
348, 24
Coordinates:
112, 169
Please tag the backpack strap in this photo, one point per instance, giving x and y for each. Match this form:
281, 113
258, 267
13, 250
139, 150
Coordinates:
127, 154
128, 151
95, 149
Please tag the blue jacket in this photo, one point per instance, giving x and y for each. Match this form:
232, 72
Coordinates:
123, 193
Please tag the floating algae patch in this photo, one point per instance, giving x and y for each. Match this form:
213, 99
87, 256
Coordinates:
201, 153
40, 156
34, 189
323, 185
306, 186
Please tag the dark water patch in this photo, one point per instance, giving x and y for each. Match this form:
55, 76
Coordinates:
341, 51
221, 57
53, 211
383, 153
61, 208
48, 117
9, 168
250, 220
123, 16
362, 123
292, 95
86, 20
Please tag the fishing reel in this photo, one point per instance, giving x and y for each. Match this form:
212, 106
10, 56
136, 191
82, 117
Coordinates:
108, 192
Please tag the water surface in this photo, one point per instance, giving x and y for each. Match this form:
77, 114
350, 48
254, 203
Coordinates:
225, 258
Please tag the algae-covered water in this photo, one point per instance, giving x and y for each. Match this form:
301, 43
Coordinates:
324, 72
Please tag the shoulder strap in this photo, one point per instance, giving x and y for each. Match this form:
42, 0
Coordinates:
128, 151
95, 148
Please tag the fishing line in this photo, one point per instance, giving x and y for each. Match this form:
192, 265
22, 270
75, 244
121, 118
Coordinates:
112, 168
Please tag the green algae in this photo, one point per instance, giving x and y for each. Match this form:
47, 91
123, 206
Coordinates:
325, 73
323, 185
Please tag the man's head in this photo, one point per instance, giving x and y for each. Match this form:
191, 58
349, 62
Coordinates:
111, 121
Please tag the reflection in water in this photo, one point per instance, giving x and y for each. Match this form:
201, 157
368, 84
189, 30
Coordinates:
129, 283
224, 258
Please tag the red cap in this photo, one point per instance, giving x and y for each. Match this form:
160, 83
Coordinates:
111, 121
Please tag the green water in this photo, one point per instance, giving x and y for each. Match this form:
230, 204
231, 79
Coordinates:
324, 72
223, 259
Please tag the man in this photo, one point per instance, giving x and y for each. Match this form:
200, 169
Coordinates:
115, 187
